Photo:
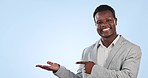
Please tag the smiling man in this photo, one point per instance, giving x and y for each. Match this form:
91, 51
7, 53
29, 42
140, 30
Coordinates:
111, 57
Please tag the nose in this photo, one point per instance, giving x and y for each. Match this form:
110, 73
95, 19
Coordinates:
104, 24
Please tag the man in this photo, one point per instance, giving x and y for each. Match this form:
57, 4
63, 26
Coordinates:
111, 57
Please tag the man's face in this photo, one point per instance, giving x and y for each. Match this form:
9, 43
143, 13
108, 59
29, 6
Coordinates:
105, 23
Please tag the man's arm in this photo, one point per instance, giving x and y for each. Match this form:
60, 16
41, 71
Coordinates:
59, 71
65, 73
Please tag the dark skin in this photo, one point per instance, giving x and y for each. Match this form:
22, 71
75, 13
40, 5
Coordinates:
50, 67
106, 28
88, 65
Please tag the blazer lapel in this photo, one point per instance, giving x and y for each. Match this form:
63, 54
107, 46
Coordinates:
113, 52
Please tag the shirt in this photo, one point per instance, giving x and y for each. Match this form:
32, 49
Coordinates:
103, 52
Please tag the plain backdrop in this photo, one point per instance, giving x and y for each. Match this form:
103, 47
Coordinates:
35, 31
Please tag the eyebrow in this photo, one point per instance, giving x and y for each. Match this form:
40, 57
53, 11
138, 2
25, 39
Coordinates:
106, 18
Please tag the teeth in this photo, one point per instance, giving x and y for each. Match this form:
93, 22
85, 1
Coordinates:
106, 29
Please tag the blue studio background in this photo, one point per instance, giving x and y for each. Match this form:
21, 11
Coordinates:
35, 31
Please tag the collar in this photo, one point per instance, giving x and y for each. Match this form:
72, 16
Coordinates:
112, 44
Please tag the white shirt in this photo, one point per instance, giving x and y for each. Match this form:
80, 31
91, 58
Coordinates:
103, 51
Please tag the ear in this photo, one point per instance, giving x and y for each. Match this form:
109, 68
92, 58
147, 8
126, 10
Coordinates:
116, 21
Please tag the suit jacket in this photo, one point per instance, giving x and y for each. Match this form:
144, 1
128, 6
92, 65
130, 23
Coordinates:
122, 62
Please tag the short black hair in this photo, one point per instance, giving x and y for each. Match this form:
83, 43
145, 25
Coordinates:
104, 8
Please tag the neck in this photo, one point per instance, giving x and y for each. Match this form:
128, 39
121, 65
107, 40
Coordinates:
107, 41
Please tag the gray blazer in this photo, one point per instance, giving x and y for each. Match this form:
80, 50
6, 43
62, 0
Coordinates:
122, 62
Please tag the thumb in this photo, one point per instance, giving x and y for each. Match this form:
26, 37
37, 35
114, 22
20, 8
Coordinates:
49, 62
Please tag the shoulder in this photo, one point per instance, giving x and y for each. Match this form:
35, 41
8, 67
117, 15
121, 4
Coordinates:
130, 46
93, 46
128, 43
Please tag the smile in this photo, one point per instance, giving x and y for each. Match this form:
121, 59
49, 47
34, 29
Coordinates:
106, 29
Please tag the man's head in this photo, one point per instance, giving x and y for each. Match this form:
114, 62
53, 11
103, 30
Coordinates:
105, 20
104, 8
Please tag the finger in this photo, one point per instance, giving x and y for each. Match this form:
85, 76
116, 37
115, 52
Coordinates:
81, 62
43, 67
38, 65
49, 62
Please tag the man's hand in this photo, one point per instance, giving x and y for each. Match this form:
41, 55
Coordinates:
88, 65
51, 67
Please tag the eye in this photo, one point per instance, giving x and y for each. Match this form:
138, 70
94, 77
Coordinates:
99, 22
109, 20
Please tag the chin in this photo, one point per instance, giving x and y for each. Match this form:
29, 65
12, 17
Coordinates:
106, 36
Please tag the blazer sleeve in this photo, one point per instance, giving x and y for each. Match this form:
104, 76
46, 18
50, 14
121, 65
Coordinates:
129, 69
65, 73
